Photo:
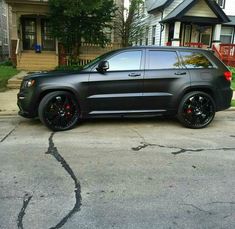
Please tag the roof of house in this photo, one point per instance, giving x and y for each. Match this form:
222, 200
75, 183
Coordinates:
186, 5
153, 5
232, 20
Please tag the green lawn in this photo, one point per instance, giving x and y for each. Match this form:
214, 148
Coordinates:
6, 72
233, 82
233, 103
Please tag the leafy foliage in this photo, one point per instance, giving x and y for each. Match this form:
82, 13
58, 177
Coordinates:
74, 21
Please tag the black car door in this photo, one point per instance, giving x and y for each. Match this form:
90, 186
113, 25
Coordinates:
119, 89
164, 79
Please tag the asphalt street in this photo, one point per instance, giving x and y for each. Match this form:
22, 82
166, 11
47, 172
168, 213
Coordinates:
123, 173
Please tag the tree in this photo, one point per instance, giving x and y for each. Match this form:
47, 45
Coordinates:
74, 21
129, 25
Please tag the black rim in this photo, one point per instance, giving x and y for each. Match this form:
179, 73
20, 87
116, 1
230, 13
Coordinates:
61, 112
198, 110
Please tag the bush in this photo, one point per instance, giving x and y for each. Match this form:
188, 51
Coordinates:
69, 68
232, 69
6, 63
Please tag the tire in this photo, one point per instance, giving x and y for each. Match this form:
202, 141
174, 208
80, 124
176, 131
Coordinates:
59, 111
196, 110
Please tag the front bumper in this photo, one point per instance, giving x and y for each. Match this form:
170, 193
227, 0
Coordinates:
26, 104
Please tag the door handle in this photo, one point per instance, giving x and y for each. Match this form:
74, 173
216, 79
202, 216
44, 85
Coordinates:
134, 74
180, 73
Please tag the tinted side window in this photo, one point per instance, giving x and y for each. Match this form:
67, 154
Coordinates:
195, 60
129, 60
163, 60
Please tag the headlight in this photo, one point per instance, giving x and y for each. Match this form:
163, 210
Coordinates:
28, 83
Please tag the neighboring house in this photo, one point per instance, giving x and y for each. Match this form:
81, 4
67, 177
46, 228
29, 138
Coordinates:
29, 26
4, 31
197, 23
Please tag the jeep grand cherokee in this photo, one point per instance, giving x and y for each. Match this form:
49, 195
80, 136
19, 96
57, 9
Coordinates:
190, 83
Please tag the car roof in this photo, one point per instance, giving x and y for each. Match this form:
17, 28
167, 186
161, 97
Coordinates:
167, 48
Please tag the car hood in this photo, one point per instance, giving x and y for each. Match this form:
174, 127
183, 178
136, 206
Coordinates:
51, 74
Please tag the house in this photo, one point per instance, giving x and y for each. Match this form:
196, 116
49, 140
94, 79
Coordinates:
206, 24
4, 31
29, 26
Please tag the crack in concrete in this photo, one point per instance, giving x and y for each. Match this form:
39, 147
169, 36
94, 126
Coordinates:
21, 215
178, 149
8, 134
221, 202
52, 150
199, 209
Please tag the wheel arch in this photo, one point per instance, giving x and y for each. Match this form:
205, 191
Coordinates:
49, 90
204, 89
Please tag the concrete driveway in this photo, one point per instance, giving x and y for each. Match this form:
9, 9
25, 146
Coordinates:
133, 173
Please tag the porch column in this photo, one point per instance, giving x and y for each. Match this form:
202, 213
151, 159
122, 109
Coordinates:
176, 39
216, 35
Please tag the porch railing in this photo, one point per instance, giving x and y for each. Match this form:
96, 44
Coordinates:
226, 53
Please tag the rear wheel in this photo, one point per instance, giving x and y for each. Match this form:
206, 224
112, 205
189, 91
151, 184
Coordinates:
196, 110
59, 111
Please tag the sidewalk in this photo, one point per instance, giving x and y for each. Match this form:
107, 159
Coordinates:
8, 102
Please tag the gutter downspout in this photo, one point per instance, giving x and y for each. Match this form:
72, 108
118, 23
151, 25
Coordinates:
162, 28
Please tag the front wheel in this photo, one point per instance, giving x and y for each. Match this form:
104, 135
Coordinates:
196, 110
59, 111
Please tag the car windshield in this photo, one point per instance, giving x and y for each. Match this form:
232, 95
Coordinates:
97, 60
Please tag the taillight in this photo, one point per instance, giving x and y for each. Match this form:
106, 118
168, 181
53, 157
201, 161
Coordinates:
228, 75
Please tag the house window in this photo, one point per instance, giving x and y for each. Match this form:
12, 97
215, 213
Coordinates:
226, 35
153, 34
221, 3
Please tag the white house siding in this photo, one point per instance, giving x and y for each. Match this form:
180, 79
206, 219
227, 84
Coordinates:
171, 7
230, 11
201, 9
154, 21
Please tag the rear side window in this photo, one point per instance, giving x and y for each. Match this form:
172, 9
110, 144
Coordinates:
195, 60
163, 60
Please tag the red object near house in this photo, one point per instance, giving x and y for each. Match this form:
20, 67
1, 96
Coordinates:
226, 53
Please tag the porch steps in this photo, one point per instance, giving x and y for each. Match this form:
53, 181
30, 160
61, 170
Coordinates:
31, 61
15, 81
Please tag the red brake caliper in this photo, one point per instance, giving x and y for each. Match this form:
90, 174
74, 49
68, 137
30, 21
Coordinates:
189, 111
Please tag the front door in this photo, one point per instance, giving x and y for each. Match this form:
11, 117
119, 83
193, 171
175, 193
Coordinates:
205, 36
48, 42
29, 33
119, 89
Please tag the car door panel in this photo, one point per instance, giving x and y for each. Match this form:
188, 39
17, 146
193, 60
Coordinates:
161, 86
116, 91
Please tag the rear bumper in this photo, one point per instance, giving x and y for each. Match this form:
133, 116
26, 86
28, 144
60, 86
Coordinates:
224, 99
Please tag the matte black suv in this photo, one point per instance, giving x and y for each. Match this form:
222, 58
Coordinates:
190, 83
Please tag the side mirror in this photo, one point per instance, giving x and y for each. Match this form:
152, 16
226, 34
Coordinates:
103, 66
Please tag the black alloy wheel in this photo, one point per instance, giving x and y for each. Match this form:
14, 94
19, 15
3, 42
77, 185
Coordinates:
59, 111
196, 110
